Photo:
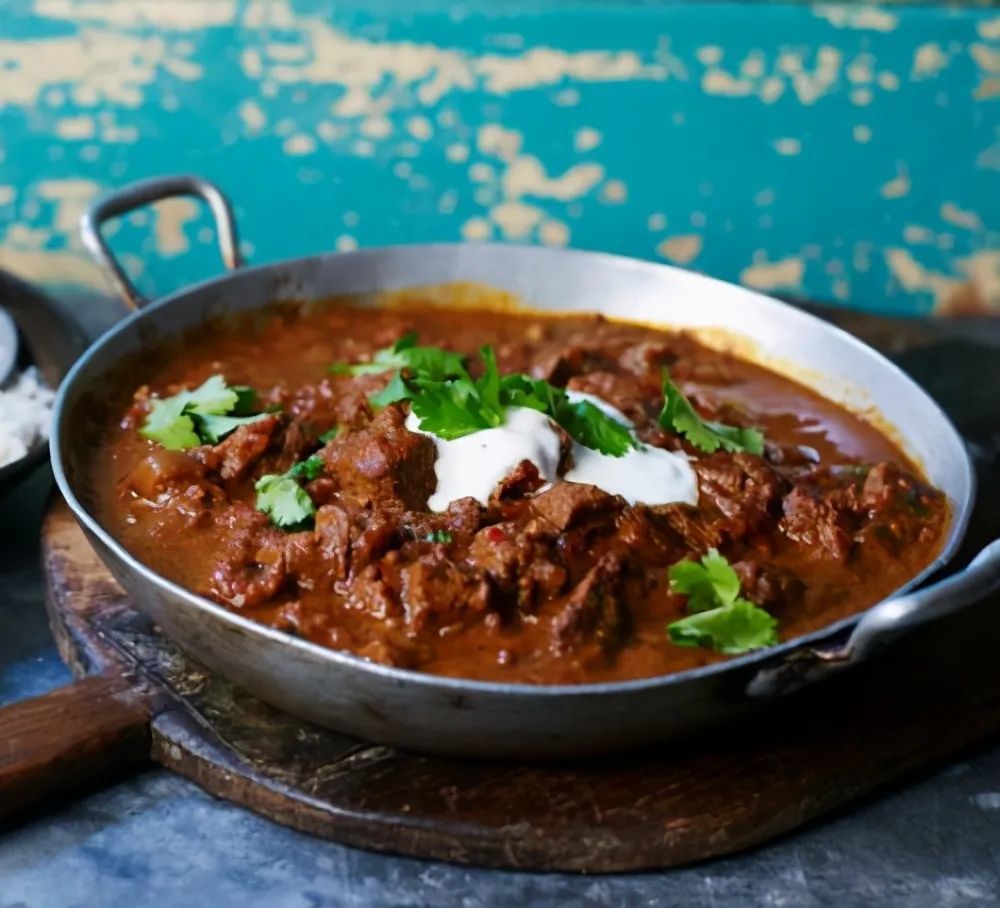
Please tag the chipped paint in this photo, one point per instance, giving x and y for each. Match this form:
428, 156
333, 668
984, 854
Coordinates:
781, 275
898, 186
172, 217
614, 192
788, 147
968, 220
867, 18
586, 139
513, 128
928, 60
682, 249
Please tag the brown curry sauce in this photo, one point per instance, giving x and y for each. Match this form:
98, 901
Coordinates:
829, 521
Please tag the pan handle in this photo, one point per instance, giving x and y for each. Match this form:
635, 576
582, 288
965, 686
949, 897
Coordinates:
883, 622
148, 192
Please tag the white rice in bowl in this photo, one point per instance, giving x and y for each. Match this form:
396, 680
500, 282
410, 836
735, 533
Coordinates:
25, 416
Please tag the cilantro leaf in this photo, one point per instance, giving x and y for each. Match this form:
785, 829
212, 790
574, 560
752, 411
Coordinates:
397, 389
522, 391
309, 468
167, 424
586, 423
204, 415
731, 629
460, 406
329, 434
453, 409
283, 500
711, 583
246, 401
593, 428
718, 617
431, 363
212, 429
212, 398
680, 416
280, 496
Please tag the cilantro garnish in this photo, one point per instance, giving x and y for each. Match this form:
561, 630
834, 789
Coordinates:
719, 618
280, 496
330, 434
442, 536
431, 363
205, 415
680, 416
463, 405
451, 404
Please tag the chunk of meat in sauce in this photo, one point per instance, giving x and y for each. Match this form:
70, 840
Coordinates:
812, 519
251, 568
435, 588
593, 610
570, 504
384, 460
519, 564
743, 488
235, 456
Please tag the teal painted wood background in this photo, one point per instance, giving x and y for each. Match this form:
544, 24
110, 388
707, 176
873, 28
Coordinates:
839, 152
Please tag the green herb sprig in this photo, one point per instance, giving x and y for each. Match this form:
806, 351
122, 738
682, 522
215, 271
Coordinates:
678, 415
718, 617
281, 496
452, 404
205, 415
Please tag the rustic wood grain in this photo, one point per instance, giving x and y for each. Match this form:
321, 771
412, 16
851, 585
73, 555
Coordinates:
80, 735
933, 693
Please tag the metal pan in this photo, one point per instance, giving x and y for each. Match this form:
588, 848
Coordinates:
426, 712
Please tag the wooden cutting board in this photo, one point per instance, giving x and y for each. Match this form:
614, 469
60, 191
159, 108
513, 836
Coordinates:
933, 694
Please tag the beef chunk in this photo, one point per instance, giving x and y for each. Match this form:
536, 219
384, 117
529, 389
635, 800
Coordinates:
333, 538
646, 357
517, 564
522, 480
813, 519
384, 460
645, 539
742, 487
434, 587
235, 456
768, 585
251, 568
560, 365
592, 611
570, 504
698, 531
370, 592
336, 402
626, 393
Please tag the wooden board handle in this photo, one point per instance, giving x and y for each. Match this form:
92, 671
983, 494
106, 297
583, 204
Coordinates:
77, 736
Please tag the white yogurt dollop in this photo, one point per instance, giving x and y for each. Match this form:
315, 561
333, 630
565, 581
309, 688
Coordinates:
472, 466
645, 474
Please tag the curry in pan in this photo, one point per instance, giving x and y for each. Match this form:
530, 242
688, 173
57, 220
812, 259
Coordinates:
506, 496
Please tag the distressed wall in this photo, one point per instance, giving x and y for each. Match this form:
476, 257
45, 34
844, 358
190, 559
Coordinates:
845, 153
